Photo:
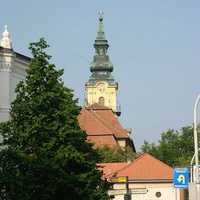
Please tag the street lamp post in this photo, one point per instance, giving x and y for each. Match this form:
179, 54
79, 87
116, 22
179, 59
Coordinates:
191, 167
196, 153
194, 187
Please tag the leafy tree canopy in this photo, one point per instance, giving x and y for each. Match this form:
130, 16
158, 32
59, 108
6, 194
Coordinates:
175, 148
45, 155
116, 154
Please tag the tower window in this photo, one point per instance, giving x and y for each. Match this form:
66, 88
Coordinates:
101, 101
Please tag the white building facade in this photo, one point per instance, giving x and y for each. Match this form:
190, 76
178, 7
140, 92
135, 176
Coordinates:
147, 191
12, 70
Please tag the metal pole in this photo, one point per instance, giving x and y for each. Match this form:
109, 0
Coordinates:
127, 189
127, 196
195, 134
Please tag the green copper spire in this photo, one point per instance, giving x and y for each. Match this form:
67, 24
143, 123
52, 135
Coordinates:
101, 67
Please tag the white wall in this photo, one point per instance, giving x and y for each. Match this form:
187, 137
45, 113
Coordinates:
147, 191
12, 70
4, 87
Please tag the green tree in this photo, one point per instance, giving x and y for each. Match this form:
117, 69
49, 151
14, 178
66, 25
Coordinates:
175, 148
116, 154
45, 155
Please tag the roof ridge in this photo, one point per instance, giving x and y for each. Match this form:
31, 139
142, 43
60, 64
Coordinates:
139, 158
133, 162
161, 162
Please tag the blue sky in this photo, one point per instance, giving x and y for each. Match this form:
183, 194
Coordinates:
154, 47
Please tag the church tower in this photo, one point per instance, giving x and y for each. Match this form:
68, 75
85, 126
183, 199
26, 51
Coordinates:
101, 87
12, 70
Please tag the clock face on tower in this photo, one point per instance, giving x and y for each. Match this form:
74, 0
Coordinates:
101, 87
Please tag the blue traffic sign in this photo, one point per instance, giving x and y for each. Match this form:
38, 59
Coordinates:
181, 178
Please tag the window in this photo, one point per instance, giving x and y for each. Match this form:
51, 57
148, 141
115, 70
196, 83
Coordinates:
158, 194
101, 101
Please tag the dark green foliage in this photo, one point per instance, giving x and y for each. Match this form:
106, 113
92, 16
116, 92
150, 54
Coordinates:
175, 148
116, 154
46, 155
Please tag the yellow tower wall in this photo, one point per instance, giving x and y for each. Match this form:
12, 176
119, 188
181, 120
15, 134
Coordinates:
102, 89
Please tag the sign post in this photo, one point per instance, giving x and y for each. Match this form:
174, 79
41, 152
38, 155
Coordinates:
180, 179
194, 186
123, 179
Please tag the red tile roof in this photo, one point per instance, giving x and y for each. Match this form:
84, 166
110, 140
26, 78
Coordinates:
100, 121
110, 169
104, 140
144, 168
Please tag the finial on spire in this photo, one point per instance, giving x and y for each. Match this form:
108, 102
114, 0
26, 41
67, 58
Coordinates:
100, 33
101, 13
5, 41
